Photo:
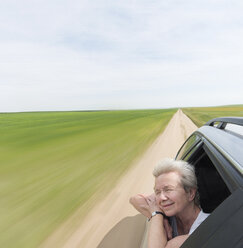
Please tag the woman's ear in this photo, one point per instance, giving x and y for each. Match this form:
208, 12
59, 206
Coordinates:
192, 194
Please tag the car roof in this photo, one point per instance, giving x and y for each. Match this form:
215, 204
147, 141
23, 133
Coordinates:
226, 142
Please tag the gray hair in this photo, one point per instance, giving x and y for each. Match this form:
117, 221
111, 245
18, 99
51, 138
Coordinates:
185, 170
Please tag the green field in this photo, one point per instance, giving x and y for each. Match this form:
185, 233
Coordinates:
53, 162
201, 115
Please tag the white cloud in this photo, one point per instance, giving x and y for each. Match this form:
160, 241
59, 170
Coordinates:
119, 54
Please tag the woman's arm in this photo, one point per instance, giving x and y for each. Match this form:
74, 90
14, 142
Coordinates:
157, 236
177, 241
139, 202
160, 232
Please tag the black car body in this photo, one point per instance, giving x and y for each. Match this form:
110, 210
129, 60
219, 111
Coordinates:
216, 151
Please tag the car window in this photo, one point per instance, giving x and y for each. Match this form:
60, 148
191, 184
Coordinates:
211, 186
188, 146
222, 228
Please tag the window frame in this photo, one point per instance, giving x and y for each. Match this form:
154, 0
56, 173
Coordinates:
218, 228
198, 141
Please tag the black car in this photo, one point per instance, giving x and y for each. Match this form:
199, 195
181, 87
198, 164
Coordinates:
216, 151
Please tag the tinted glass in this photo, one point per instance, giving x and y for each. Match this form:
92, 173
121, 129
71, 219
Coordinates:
193, 139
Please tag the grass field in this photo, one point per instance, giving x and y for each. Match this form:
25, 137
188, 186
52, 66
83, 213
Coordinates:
53, 162
201, 115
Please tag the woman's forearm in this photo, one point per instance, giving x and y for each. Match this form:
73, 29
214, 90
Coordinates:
140, 204
157, 237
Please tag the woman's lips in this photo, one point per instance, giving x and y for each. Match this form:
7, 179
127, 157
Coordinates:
167, 205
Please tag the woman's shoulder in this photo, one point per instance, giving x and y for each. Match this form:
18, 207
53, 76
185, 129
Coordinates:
202, 216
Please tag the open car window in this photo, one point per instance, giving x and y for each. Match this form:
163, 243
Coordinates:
220, 196
211, 186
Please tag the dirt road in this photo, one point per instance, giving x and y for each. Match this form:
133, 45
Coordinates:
113, 222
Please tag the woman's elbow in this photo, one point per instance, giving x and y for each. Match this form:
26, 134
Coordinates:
132, 200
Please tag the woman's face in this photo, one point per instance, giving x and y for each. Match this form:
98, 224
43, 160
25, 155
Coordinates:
170, 194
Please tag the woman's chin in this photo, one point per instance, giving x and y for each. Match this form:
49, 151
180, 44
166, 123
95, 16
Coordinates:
169, 213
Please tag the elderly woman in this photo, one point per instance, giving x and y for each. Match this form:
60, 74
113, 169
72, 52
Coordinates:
173, 209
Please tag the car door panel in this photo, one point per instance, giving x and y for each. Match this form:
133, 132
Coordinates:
222, 228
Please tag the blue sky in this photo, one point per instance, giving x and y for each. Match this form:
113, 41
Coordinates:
119, 54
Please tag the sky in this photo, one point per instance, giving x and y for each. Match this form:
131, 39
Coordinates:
120, 54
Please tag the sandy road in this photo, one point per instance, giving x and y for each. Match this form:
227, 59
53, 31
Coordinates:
113, 222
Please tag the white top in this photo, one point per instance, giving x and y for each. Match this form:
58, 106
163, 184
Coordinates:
200, 218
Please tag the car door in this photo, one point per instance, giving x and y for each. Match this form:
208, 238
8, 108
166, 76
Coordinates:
223, 228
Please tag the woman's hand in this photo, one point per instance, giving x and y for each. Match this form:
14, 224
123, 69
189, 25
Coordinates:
152, 207
152, 204
139, 202
168, 228
146, 205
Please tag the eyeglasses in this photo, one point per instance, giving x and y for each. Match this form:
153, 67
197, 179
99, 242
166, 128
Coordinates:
166, 191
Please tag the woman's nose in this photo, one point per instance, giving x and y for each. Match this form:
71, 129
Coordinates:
163, 196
